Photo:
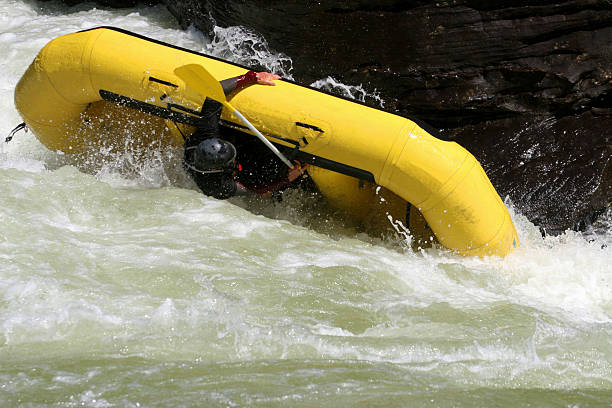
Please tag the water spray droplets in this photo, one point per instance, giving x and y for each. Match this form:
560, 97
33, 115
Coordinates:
243, 46
356, 92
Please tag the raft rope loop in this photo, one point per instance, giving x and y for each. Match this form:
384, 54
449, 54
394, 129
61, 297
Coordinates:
21, 126
179, 129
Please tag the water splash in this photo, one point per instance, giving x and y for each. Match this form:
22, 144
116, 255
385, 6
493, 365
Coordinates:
357, 92
244, 46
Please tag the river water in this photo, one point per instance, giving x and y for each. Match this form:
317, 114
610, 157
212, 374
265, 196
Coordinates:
122, 286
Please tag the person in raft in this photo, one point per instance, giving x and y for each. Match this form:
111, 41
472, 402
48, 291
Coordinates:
222, 171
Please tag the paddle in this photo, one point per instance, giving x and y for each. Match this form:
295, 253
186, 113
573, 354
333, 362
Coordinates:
199, 79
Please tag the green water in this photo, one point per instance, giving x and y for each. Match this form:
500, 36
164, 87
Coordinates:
130, 289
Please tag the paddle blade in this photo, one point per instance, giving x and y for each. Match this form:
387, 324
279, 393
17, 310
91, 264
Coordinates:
198, 78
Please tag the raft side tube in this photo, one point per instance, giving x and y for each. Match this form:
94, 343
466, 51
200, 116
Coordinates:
461, 205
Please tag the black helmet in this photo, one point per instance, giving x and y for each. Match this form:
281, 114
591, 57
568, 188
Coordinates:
211, 156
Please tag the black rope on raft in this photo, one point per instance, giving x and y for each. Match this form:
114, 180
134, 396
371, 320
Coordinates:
179, 129
21, 126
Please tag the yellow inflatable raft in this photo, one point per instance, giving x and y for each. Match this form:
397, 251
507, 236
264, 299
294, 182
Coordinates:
79, 82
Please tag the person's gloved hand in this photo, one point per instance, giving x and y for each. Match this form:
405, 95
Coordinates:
251, 78
296, 171
266, 78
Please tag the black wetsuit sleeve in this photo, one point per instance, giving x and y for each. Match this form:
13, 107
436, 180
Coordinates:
219, 186
208, 123
229, 85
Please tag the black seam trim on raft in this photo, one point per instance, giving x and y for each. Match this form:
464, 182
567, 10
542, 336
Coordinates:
327, 164
142, 37
161, 81
193, 121
151, 109
312, 127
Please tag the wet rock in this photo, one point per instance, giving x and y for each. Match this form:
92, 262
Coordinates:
557, 171
524, 85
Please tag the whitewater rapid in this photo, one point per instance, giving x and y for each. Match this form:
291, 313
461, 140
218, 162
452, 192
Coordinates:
130, 288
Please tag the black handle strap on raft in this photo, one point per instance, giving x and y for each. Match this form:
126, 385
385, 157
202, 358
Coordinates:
307, 126
21, 126
181, 114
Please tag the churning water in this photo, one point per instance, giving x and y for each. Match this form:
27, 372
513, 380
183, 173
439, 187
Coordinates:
121, 285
